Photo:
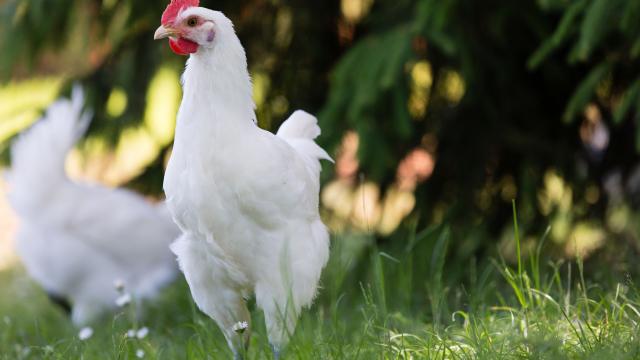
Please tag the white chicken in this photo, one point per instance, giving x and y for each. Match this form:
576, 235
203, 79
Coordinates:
245, 199
76, 239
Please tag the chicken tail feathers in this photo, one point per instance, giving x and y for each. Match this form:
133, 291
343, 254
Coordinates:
38, 155
299, 130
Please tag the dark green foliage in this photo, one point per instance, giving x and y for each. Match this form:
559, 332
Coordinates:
109, 44
369, 94
528, 70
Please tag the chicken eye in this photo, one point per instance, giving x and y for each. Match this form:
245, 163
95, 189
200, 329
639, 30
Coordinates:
192, 22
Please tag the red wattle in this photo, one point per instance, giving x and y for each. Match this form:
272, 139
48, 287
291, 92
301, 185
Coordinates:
182, 46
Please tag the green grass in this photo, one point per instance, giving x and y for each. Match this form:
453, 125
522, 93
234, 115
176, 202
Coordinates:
401, 304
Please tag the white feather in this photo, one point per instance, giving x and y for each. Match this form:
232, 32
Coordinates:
246, 199
75, 239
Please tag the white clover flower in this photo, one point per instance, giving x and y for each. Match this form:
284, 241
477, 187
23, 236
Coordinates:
131, 333
142, 333
123, 300
240, 327
85, 333
139, 353
26, 351
118, 284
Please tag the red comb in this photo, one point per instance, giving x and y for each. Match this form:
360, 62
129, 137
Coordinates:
174, 8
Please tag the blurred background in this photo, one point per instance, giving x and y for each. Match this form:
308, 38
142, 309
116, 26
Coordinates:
438, 112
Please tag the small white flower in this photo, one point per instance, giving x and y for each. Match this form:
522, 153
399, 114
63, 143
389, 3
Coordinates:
139, 353
142, 332
26, 352
48, 349
240, 327
131, 333
118, 284
123, 300
85, 333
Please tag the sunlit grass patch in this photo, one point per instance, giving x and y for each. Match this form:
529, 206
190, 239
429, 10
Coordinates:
373, 305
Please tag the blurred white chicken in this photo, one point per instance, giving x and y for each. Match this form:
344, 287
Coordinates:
76, 239
246, 199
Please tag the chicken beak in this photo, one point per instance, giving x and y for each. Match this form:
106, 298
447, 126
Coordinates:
163, 32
